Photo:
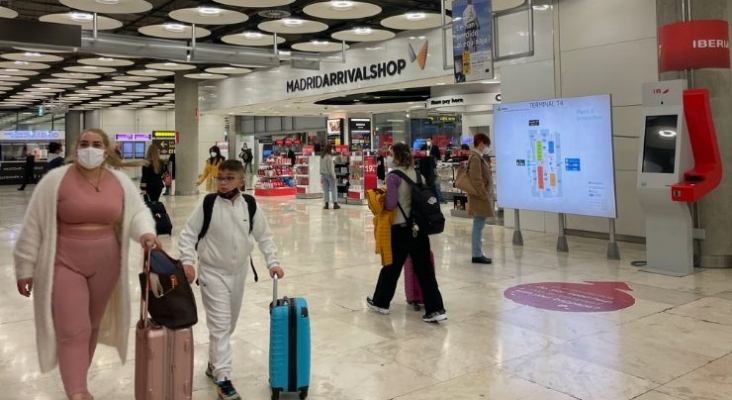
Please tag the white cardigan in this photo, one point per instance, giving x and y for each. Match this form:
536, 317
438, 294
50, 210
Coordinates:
35, 253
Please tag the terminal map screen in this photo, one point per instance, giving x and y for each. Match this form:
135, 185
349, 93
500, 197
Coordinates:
556, 156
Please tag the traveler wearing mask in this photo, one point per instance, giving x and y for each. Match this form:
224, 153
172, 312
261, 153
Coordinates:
72, 253
480, 207
211, 170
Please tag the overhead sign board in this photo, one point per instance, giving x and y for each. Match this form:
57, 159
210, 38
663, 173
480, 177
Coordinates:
32, 135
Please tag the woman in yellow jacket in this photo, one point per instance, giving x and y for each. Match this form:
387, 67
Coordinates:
211, 170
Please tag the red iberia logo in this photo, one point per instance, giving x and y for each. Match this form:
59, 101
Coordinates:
421, 57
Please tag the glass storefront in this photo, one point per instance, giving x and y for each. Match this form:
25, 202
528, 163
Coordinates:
414, 127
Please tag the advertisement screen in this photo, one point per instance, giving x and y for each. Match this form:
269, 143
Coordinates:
556, 156
359, 131
334, 127
659, 144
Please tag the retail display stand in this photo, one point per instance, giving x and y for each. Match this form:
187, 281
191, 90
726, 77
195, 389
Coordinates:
275, 178
307, 177
343, 174
362, 177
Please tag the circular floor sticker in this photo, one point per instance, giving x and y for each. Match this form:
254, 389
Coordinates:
573, 297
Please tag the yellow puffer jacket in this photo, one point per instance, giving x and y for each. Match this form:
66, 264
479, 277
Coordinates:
210, 171
383, 220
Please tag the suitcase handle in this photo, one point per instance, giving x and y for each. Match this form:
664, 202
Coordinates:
146, 296
274, 290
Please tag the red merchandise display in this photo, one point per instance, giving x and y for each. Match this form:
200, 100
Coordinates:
275, 178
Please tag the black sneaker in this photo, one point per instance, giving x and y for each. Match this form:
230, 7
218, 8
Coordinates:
481, 260
226, 390
375, 308
436, 316
336, 206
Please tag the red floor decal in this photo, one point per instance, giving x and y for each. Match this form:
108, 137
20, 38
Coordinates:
573, 297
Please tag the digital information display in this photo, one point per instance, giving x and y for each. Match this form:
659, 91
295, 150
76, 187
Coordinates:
556, 156
659, 144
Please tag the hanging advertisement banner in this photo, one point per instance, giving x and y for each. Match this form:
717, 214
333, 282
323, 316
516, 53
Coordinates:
472, 40
693, 45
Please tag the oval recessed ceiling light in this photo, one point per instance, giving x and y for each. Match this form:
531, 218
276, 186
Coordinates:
319, 42
292, 22
252, 35
362, 31
415, 16
341, 5
80, 17
107, 1
209, 11
175, 27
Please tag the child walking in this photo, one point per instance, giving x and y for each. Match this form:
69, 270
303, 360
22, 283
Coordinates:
223, 255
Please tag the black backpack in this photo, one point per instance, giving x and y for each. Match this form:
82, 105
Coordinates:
426, 213
208, 204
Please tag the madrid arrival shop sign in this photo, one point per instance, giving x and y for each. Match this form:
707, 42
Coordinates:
589, 296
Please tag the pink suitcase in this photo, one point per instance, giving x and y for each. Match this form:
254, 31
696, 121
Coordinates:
412, 290
163, 358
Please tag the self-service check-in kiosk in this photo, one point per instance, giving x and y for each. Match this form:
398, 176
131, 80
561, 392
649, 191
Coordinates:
679, 163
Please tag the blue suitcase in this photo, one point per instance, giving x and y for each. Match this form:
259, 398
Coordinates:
289, 346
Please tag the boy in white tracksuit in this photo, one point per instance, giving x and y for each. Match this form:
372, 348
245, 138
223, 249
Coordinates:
223, 255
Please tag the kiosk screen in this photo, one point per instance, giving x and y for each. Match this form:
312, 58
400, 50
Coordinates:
659, 146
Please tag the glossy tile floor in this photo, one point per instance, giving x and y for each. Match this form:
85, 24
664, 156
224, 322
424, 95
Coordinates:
674, 343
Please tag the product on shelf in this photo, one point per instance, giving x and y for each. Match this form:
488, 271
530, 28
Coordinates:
275, 178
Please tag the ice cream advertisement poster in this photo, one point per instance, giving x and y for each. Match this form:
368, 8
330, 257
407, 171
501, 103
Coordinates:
472, 40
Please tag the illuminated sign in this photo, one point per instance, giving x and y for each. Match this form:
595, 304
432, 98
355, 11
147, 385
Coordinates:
32, 135
134, 137
163, 134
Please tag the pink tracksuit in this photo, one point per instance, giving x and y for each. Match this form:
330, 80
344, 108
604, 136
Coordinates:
86, 270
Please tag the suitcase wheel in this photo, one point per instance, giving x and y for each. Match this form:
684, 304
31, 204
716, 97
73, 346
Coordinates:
303, 393
415, 305
275, 394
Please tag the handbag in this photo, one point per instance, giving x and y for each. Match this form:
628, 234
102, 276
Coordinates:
171, 302
462, 181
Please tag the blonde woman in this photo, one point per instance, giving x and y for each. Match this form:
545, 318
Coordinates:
151, 182
72, 254
211, 170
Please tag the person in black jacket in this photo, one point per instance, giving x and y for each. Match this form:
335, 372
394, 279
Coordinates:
151, 183
434, 153
30, 165
55, 159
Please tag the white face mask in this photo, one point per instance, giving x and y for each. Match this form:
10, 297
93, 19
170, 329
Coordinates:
90, 157
389, 161
213, 154
486, 151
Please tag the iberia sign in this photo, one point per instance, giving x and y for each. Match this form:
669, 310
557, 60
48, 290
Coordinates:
693, 45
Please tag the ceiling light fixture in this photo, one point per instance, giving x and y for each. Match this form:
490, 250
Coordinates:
292, 22
666, 133
415, 16
89, 67
105, 59
362, 31
209, 11
80, 17
252, 35
21, 63
29, 54
12, 70
112, 2
341, 5
151, 71
319, 42
174, 27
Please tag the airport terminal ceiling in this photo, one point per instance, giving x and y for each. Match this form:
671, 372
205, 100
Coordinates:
31, 77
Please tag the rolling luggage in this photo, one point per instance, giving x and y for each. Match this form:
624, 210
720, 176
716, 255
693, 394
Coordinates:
163, 224
289, 346
163, 357
412, 290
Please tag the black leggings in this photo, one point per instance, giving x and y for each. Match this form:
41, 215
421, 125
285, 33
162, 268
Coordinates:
403, 244
154, 192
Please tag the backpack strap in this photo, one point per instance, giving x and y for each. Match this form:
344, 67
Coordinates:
252, 208
411, 183
208, 204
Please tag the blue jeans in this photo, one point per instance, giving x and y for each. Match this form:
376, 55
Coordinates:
329, 188
477, 236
